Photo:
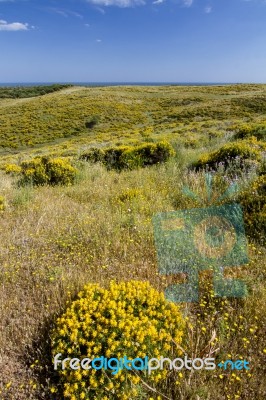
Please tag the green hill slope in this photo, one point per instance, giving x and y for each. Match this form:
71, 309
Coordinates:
78, 117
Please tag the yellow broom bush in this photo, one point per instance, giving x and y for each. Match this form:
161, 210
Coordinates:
245, 151
129, 319
46, 171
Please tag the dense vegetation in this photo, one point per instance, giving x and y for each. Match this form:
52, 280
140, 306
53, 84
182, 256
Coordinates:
80, 117
126, 157
21, 92
83, 172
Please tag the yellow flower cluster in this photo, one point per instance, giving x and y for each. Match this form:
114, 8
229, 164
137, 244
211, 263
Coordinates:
129, 319
12, 169
42, 170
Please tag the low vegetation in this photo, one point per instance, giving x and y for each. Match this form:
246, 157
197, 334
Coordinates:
22, 92
126, 157
78, 266
243, 153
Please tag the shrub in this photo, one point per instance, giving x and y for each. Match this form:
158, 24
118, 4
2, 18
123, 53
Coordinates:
92, 121
247, 131
128, 157
242, 151
12, 169
253, 201
128, 319
42, 170
93, 155
113, 157
34, 172
20, 92
147, 154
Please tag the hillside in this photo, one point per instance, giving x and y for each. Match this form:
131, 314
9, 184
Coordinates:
58, 234
188, 116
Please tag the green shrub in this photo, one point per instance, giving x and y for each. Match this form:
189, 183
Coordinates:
129, 157
113, 157
147, 154
241, 151
34, 172
129, 319
20, 92
91, 122
93, 155
45, 171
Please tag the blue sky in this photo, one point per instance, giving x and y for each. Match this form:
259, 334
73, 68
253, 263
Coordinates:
133, 40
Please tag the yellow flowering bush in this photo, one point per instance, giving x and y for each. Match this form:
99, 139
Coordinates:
246, 151
61, 172
42, 170
249, 130
129, 319
12, 169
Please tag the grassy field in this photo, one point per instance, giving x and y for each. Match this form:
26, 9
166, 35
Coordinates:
56, 239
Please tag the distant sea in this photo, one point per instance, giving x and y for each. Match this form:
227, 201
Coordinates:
101, 84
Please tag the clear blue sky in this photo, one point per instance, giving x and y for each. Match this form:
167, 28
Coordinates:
133, 40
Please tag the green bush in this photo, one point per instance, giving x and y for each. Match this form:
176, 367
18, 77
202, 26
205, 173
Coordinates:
113, 157
242, 151
147, 154
45, 171
93, 155
129, 157
20, 92
91, 122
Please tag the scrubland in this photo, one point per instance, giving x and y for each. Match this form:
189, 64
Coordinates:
97, 228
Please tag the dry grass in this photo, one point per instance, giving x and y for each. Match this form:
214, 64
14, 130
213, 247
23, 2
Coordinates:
54, 240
